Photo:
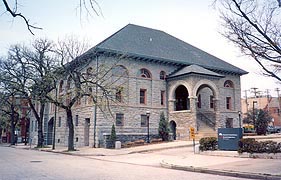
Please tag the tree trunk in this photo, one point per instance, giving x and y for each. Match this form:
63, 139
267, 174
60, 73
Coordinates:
13, 119
71, 130
40, 142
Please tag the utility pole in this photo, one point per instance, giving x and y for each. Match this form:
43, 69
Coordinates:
246, 101
255, 91
279, 100
267, 96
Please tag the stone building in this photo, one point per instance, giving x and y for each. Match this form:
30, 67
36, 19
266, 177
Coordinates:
157, 73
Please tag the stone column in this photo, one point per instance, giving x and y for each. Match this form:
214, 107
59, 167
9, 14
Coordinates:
171, 105
193, 110
217, 113
193, 103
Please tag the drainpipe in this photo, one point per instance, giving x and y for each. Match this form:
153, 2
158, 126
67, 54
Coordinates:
95, 108
55, 119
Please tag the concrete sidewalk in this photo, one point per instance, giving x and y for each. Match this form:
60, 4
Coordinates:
227, 166
88, 151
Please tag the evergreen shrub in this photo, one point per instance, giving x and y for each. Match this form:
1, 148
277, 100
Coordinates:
208, 143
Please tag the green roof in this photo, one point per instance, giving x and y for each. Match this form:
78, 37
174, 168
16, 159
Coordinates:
142, 42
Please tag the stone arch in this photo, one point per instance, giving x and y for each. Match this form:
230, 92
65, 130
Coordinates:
175, 86
206, 83
120, 70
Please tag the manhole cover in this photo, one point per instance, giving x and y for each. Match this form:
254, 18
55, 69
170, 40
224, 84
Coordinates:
35, 161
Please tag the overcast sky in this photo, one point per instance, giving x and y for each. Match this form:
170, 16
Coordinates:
195, 22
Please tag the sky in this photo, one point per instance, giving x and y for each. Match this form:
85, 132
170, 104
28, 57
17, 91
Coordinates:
195, 22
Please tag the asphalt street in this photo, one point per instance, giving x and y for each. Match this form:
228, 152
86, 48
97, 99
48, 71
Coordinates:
21, 164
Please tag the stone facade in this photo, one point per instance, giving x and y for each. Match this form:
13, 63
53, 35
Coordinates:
176, 96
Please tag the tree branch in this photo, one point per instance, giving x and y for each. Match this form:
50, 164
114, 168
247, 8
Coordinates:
14, 14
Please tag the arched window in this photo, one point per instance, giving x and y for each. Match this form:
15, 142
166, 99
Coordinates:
89, 71
120, 71
162, 75
61, 86
68, 83
145, 73
228, 84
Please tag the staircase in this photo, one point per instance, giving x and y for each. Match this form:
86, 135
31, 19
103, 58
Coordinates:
205, 126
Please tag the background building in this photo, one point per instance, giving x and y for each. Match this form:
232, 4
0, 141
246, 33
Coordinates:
267, 103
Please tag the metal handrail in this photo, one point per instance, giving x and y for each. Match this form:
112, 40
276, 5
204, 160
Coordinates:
207, 120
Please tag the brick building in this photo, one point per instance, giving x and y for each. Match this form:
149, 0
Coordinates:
270, 104
160, 73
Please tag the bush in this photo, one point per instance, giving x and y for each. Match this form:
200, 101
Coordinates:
246, 145
163, 128
208, 143
113, 133
250, 145
263, 118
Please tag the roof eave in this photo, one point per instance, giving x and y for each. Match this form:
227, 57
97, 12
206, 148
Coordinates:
100, 50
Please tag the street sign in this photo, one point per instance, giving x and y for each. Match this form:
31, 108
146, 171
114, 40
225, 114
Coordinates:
192, 133
228, 138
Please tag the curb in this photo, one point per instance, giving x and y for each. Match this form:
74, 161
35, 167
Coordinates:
117, 154
159, 149
220, 172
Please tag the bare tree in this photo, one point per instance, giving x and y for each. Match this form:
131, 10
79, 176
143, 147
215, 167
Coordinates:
68, 52
88, 6
77, 79
255, 27
8, 108
25, 72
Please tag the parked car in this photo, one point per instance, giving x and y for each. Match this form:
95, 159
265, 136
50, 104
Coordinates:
273, 129
249, 128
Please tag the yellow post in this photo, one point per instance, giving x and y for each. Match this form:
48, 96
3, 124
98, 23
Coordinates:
192, 136
192, 133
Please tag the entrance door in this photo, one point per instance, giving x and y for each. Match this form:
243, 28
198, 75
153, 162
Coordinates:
87, 131
173, 127
50, 131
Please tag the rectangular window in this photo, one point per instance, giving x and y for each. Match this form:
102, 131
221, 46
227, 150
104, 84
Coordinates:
142, 96
162, 98
32, 125
211, 102
228, 102
119, 119
118, 94
78, 102
76, 120
143, 121
59, 125
229, 123
90, 98
36, 126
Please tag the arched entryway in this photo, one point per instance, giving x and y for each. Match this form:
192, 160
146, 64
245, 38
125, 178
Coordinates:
173, 128
181, 96
206, 106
